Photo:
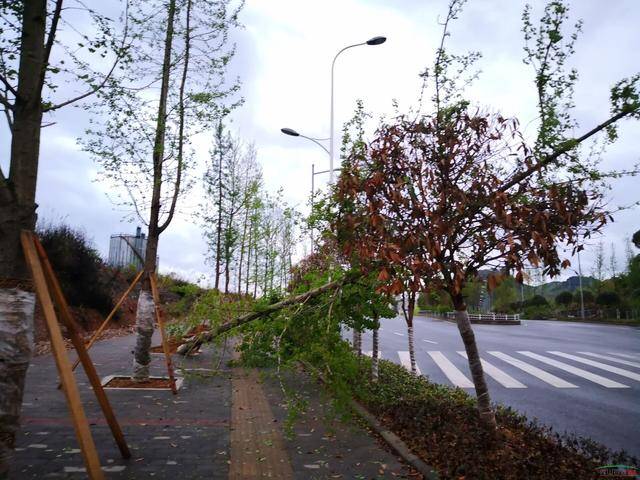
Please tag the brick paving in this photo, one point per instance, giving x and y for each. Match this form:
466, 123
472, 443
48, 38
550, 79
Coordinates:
169, 435
189, 435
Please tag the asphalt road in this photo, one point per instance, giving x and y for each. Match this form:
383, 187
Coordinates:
539, 368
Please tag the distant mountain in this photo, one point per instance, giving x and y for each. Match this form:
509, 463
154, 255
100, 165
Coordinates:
551, 289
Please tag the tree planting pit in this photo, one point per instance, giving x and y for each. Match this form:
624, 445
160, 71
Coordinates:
121, 382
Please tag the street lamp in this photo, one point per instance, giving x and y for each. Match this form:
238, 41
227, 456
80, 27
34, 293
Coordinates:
291, 132
371, 41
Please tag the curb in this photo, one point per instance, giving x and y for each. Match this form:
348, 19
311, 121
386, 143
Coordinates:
395, 442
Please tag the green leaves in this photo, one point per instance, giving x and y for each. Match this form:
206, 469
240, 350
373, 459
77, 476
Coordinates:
625, 96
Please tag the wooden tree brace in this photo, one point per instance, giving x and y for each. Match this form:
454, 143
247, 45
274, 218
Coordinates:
159, 318
46, 284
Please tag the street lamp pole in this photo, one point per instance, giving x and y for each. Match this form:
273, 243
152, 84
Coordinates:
371, 41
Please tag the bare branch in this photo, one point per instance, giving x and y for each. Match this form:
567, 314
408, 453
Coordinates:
98, 87
561, 150
8, 86
50, 40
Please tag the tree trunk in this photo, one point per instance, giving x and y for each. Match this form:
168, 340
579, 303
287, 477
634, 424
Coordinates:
487, 414
408, 310
146, 309
357, 342
194, 342
249, 249
243, 246
17, 212
375, 355
219, 234
255, 272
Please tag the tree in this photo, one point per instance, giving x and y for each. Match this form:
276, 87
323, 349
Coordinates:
587, 296
613, 261
598, 263
636, 239
564, 298
214, 183
143, 145
505, 295
434, 199
33, 62
608, 299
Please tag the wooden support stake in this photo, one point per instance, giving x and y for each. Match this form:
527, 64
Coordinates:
83, 356
165, 345
69, 386
104, 324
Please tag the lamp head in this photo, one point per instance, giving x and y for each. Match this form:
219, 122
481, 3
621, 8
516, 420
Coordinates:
290, 131
376, 40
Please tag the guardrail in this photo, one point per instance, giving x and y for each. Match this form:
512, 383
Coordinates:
493, 317
485, 318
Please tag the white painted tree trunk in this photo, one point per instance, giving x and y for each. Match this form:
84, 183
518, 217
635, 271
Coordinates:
412, 353
16, 343
144, 331
357, 341
374, 356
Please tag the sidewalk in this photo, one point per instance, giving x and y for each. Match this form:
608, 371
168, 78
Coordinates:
226, 425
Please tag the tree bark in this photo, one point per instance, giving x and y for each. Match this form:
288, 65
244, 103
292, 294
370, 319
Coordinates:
18, 212
243, 245
357, 342
219, 233
408, 310
145, 310
487, 414
249, 249
375, 355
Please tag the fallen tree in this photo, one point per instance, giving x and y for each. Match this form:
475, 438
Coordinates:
196, 341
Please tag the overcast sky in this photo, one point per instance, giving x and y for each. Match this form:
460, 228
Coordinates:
283, 60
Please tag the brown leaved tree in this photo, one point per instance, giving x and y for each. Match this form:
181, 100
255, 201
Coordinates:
435, 198
432, 201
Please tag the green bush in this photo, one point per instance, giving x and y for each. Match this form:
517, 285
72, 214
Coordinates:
537, 312
536, 301
608, 299
587, 295
78, 266
564, 298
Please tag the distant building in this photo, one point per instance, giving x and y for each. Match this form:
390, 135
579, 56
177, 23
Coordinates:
121, 250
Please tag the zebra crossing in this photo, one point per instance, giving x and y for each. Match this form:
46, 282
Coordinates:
515, 370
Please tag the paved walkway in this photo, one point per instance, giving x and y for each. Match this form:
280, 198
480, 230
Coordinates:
220, 425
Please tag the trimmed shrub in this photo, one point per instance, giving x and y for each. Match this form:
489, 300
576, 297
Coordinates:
608, 299
564, 298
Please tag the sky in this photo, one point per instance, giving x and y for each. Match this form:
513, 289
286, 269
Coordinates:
283, 59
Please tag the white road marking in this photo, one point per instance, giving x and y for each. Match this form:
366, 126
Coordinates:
429, 341
400, 334
405, 361
602, 366
450, 370
535, 371
632, 357
605, 382
607, 357
498, 375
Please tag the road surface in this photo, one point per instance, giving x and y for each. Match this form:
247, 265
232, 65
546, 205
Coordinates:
576, 377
